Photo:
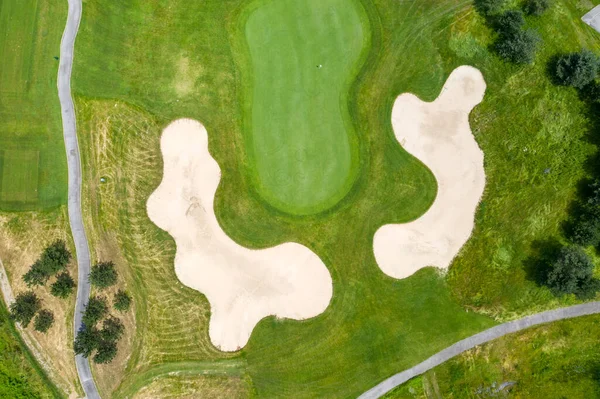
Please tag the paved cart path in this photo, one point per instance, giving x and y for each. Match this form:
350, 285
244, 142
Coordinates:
67, 45
478, 339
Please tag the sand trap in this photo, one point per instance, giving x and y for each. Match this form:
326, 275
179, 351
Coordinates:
438, 134
242, 285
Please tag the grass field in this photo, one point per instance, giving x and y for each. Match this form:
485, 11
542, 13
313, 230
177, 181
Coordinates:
20, 375
142, 64
30, 123
558, 360
302, 58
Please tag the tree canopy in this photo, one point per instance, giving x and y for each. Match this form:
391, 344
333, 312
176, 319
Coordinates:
510, 22
519, 47
95, 310
103, 275
87, 341
43, 320
63, 286
54, 258
107, 350
576, 69
489, 7
24, 307
571, 272
537, 7
112, 329
122, 301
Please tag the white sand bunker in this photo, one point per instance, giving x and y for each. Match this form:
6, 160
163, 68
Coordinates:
438, 134
242, 285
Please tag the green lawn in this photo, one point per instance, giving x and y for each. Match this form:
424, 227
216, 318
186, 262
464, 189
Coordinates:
20, 375
141, 64
303, 56
30, 32
554, 361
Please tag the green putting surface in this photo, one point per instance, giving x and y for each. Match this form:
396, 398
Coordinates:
303, 57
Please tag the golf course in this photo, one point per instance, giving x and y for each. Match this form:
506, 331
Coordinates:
301, 198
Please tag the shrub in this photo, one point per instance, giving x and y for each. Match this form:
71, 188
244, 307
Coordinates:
576, 69
87, 340
63, 286
537, 7
510, 22
489, 7
112, 329
103, 275
122, 301
107, 350
95, 310
55, 257
43, 320
24, 307
519, 47
571, 271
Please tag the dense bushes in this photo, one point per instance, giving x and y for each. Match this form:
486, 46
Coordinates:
95, 310
576, 69
122, 301
43, 320
63, 286
537, 7
489, 7
103, 342
519, 47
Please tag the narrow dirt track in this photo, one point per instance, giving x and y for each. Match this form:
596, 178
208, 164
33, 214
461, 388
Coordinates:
478, 339
82, 249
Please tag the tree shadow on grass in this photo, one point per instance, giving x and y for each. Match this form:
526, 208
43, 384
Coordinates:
537, 265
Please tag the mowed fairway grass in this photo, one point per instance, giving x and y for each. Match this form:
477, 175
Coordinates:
303, 56
33, 168
141, 64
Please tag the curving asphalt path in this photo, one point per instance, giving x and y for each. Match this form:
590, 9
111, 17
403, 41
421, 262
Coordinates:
82, 249
478, 339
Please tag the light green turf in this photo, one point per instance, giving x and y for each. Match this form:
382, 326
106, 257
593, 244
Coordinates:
30, 32
298, 130
19, 176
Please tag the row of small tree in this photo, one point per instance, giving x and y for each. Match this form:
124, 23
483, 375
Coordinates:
101, 331
514, 43
27, 305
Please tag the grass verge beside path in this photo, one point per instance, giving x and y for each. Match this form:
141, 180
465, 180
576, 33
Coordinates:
558, 360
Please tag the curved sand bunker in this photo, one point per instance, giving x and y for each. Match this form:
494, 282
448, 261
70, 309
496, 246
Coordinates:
242, 285
439, 135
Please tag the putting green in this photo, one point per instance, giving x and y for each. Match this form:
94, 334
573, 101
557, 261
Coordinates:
303, 57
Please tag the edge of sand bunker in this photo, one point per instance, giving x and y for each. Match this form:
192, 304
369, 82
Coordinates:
242, 285
439, 135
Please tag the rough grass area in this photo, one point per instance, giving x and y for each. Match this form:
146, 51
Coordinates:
558, 360
211, 387
30, 32
297, 61
20, 375
141, 64
23, 236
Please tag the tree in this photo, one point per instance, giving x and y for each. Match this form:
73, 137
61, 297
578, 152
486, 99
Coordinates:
107, 350
95, 310
36, 275
571, 271
24, 307
112, 329
489, 7
122, 301
537, 7
63, 286
43, 320
103, 275
585, 231
55, 257
510, 22
519, 47
576, 69
87, 340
